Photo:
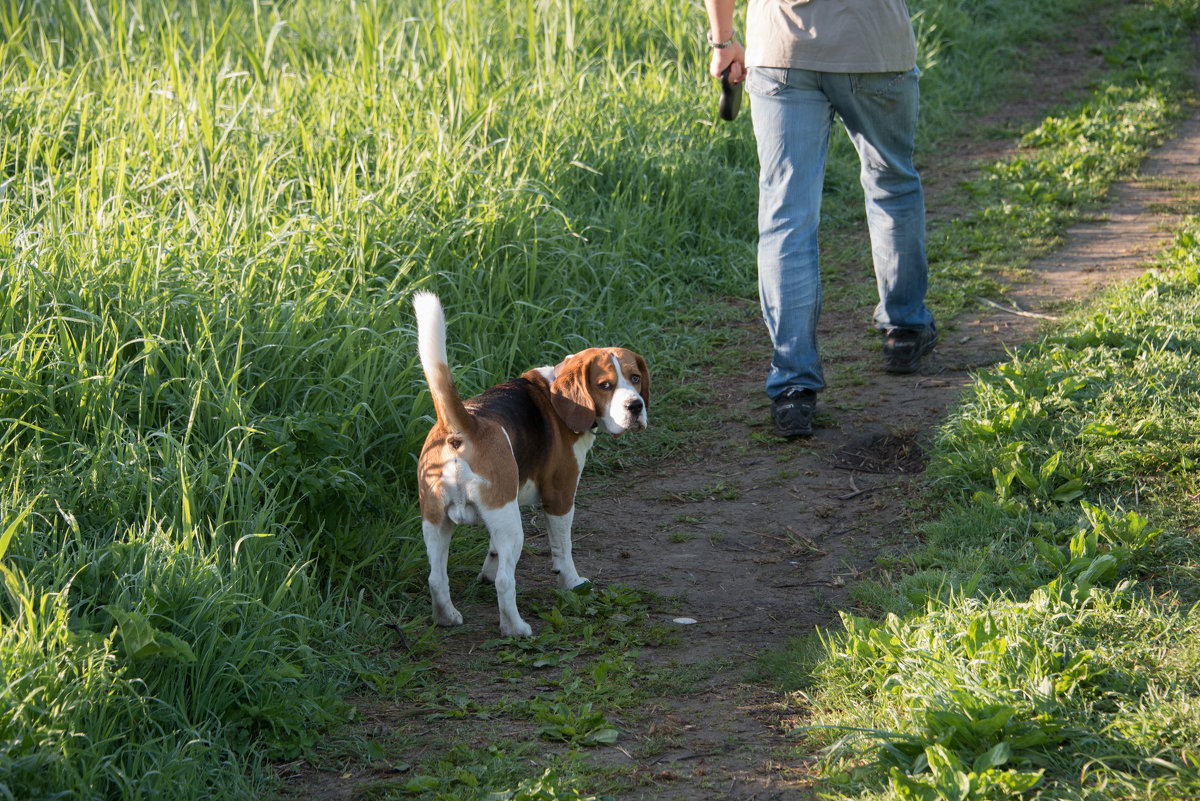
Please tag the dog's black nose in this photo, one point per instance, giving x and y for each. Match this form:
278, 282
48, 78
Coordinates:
635, 406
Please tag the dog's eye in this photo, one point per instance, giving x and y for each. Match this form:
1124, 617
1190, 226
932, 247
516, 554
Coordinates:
637, 379
606, 385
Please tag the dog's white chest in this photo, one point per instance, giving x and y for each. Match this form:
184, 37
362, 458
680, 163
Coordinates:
528, 494
581, 448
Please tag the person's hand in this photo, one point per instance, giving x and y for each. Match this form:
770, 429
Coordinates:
733, 57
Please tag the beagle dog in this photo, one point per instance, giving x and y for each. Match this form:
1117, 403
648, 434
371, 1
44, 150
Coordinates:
520, 442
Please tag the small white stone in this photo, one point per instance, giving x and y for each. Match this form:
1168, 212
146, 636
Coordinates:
685, 621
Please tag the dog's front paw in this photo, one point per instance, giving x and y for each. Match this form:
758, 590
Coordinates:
447, 617
518, 629
487, 574
573, 581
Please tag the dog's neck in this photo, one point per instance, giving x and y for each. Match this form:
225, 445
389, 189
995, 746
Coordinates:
548, 373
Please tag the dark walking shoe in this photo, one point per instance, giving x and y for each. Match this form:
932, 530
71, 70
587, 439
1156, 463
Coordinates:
904, 347
792, 412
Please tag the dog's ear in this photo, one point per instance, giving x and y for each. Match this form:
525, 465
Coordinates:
644, 389
569, 394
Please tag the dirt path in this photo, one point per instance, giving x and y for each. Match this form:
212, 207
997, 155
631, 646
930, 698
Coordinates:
759, 540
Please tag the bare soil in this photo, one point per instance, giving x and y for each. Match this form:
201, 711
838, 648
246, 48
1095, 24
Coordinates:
760, 540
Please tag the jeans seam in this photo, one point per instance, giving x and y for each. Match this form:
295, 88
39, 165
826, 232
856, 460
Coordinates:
856, 81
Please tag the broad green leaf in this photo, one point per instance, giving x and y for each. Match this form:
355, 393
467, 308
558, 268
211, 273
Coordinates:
1102, 430
909, 788
993, 758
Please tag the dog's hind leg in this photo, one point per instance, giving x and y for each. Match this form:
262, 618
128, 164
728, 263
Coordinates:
560, 550
437, 547
507, 537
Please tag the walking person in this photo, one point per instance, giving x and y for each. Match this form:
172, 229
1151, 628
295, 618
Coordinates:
806, 62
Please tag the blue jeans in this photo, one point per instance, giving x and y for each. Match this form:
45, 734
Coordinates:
793, 112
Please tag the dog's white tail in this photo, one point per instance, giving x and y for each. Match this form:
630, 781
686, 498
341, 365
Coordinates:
431, 345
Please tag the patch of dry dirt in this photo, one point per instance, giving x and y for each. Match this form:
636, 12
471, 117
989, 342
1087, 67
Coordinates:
758, 540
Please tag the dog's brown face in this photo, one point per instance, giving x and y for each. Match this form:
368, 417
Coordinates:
605, 386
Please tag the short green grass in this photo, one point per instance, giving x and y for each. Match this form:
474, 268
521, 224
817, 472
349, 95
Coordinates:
212, 216
1042, 640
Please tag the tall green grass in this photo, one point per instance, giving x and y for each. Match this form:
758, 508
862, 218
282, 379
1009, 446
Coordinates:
212, 215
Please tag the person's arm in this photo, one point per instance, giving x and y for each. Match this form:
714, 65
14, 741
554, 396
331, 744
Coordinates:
720, 29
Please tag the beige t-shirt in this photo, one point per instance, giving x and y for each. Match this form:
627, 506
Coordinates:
830, 35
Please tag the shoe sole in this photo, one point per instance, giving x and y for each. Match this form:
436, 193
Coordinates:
905, 369
793, 433
902, 369
798, 435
